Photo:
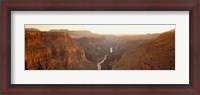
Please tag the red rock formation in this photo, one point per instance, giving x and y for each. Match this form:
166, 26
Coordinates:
52, 50
32, 38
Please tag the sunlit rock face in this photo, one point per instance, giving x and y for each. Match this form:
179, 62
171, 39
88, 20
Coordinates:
52, 50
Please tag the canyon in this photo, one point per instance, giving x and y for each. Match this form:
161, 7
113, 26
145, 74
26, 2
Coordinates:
83, 50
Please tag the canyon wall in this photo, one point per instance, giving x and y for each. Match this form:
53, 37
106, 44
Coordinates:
53, 50
95, 47
158, 54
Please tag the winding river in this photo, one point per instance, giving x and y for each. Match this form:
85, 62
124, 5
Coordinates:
99, 64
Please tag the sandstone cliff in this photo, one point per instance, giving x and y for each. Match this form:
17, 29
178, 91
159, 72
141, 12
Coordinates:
53, 50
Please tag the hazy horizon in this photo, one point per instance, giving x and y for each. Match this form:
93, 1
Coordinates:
108, 29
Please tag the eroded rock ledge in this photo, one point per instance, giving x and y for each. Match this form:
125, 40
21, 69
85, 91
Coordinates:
53, 50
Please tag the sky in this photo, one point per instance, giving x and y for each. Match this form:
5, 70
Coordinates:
109, 29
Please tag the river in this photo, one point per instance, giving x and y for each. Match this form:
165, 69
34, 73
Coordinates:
99, 64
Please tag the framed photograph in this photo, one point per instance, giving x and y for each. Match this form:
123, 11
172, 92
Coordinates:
136, 47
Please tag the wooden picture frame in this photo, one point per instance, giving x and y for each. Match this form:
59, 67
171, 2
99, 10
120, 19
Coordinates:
99, 5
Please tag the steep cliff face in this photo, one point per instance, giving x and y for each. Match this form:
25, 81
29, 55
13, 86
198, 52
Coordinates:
53, 50
158, 54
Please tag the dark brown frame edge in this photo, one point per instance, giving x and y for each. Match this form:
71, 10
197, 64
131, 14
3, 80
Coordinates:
99, 5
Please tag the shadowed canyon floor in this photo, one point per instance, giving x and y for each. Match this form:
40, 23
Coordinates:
83, 50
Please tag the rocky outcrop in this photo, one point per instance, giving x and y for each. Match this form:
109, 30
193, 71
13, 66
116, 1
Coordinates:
53, 50
33, 38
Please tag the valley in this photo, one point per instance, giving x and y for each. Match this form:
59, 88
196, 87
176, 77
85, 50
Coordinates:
83, 50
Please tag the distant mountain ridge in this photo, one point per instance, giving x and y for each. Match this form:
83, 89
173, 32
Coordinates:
32, 30
77, 33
